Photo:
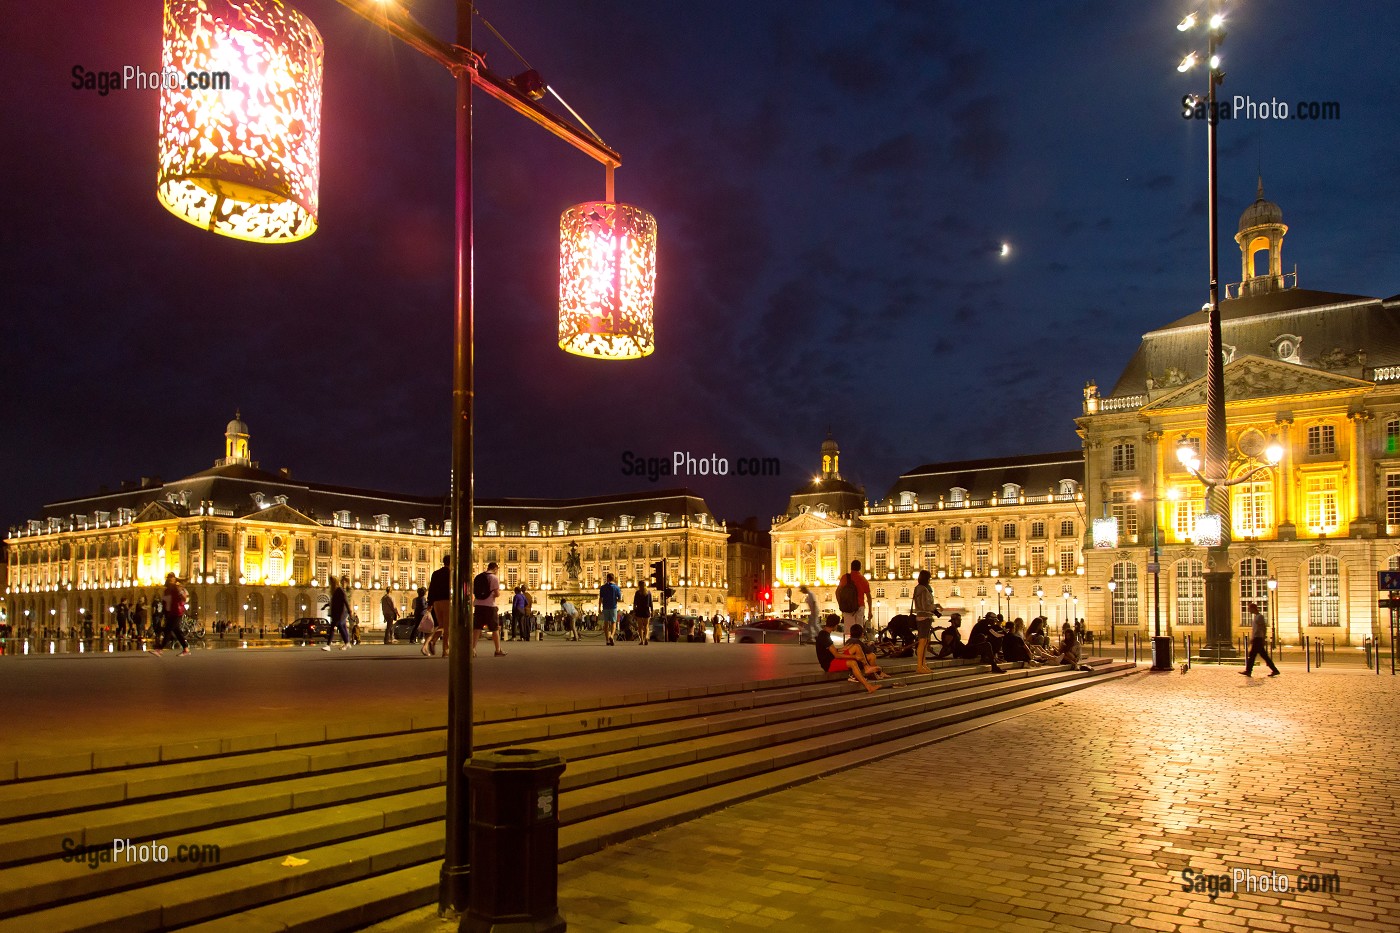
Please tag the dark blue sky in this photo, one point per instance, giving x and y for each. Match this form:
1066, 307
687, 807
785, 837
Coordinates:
831, 180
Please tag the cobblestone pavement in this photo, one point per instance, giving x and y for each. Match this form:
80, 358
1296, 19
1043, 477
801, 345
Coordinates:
1080, 815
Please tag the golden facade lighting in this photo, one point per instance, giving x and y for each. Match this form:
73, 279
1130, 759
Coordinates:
607, 280
241, 157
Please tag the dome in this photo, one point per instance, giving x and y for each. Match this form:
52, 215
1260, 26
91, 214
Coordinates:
236, 426
829, 446
1261, 212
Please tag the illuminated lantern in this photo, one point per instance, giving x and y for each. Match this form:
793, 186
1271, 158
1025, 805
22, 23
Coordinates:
607, 280
241, 157
1209, 529
1105, 532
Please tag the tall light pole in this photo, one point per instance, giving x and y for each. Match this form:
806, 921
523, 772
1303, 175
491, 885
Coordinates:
1273, 612
1161, 644
260, 183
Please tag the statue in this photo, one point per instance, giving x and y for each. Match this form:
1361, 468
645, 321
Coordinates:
572, 565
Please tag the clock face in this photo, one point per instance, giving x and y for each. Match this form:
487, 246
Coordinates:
1285, 349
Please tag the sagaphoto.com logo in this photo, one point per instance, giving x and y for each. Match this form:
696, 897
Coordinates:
1244, 107
133, 78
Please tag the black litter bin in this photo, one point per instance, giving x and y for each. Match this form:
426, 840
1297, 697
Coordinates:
514, 842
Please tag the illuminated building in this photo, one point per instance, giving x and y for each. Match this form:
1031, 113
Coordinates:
1316, 372
1003, 533
256, 548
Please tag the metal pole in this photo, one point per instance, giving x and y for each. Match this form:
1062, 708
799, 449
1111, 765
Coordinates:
454, 879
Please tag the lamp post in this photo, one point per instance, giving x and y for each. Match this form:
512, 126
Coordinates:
1161, 644
1009, 593
1273, 613
1112, 617
259, 183
999, 587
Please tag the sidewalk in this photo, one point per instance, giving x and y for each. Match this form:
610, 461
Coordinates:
1082, 815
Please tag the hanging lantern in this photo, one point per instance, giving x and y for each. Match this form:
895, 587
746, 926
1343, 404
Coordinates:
1106, 532
1209, 529
607, 280
240, 118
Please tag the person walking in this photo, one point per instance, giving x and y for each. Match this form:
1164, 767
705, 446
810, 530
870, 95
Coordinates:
924, 611
173, 602
439, 597
420, 606
138, 619
517, 613
527, 613
609, 595
157, 619
641, 612
853, 598
1258, 644
486, 587
814, 622
340, 614
391, 615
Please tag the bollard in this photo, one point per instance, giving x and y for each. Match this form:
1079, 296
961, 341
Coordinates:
514, 841
1366, 645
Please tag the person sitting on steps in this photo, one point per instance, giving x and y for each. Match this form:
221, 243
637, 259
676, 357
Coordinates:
851, 657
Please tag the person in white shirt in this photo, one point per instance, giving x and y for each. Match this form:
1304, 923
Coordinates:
814, 623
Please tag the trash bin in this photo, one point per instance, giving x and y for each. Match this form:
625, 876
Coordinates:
1161, 652
514, 820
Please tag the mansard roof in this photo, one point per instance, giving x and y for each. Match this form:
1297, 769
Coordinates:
1035, 474
1342, 333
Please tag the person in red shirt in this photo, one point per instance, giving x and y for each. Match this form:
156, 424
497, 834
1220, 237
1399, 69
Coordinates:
865, 608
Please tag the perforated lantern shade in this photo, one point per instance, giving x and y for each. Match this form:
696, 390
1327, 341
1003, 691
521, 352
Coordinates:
607, 280
1106, 532
243, 161
1209, 529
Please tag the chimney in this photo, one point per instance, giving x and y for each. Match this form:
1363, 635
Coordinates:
286, 473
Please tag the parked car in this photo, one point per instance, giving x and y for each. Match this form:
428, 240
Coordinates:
770, 632
306, 629
404, 627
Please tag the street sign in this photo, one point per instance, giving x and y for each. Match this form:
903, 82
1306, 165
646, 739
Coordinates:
1389, 580
1153, 566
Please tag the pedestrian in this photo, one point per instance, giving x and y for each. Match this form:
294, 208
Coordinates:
157, 618
609, 595
486, 587
641, 611
123, 616
138, 618
1258, 646
391, 615
439, 596
517, 613
814, 622
980, 642
924, 611
853, 597
527, 613
173, 602
673, 627
420, 606
340, 614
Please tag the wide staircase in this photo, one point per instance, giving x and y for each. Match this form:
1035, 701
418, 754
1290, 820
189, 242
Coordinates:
341, 829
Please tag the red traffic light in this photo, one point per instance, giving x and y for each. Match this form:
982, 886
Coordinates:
767, 596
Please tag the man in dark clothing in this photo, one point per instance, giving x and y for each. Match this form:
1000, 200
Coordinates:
1258, 646
439, 596
980, 644
852, 662
420, 606
391, 615
641, 612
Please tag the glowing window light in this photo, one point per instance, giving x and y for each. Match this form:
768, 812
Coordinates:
1209, 529
607, 280
1105, 532
244, 161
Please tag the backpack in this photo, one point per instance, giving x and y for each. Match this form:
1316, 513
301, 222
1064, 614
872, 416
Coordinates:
847, 596
481, 585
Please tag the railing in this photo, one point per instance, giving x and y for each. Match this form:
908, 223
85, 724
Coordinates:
1122, 403
1385, 374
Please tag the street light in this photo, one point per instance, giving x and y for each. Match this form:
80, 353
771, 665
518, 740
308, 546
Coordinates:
1112, 617
266, 192
1273, 613
999, 587
1161, 644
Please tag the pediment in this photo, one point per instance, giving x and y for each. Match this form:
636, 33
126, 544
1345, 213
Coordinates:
281, 515
1254, 377
808, 521
155, 512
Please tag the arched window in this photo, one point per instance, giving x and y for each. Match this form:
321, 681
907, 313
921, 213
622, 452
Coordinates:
957, 494
1124, 599
1254, 588
1251, 514
276, 568
1324, 590
1190, 593
1010, 491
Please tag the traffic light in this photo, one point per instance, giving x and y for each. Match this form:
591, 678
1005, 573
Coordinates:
658, 580
767, 596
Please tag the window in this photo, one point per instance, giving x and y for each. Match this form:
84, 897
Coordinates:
1322, 439
905, 564
1067, 487
1123, 508
1037, 560
1124, 458
930, 535
221, 539
1008, 531
1010, 491
1124, 598
1037, 529
323, 547
1067, 528
1190, 593
366, 552
1254, 588
1251, 514
906, 536
385, 552
880, 537
1068, 559
1324, 590
1184, 520
881, 568
1008, 560
982, 533
957, 495
252, 545
1321, 504
1392, 498
1392, 438
983, 558
955, 567
955, 533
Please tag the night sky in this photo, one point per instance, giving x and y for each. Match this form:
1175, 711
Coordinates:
832, 182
